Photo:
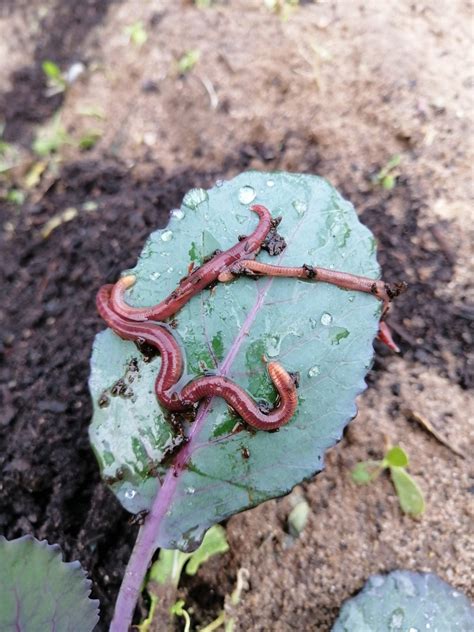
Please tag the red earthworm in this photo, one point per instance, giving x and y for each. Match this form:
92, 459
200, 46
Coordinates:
153, 334
381, 290
198, 279
209, 386
242, 403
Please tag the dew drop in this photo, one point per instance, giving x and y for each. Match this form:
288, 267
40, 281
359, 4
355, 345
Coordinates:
190, 490
130, 493
273, 346
247, 194
396, 620
351, 298
270, 183
154, 276
300, 207
412, 629
169, 270
326, 319
177, 213
167, 235
195, 197
314, 371
377, 581
219, 183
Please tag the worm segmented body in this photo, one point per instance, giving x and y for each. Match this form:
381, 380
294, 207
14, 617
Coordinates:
136, 324
198, 279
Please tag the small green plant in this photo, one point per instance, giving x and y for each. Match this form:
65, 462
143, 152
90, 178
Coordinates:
51, 138
283, 8
89, 140
187, 62
387, 176
55, 78
136, 33
165, 574
395, 460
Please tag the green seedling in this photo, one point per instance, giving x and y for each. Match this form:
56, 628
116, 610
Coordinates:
8, 154
395, 460
165, 573
89, 140
387, 176
283, 8
15, 196
51, 138
187, 62
136, 34
55, 78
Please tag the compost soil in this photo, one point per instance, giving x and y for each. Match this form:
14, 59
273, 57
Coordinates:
124, 188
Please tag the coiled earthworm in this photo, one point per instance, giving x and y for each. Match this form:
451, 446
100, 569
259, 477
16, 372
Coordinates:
198, 279
208, 386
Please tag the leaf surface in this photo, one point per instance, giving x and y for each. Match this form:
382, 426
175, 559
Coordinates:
406, 601
321, 331
38, 591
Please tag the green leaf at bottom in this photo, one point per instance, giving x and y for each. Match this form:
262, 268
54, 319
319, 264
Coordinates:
39, 592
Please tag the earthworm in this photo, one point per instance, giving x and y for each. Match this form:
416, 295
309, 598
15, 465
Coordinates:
209, 386
378, 288
198, 279
381, 290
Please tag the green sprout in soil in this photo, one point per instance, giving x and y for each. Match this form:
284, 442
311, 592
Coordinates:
136, 34
55, 78
387, 176
187, 62
51, 138
395, 460
165, 574
283, 8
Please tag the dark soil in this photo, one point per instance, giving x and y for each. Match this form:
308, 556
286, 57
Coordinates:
50, 481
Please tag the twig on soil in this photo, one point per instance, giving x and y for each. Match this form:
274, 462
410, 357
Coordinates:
428, 426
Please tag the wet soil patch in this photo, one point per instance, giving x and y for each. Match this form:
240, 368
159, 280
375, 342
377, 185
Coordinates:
51, 486
61, 33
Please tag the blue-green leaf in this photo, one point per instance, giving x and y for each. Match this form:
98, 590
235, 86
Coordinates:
321, 331
403, 601
38, 591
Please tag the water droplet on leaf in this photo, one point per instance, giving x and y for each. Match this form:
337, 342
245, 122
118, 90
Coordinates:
314, 371
326, 319
270, 183
247, 194
300, 207
154, 276
167, 235
195, 197
177, 213
396, 620
130, 493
